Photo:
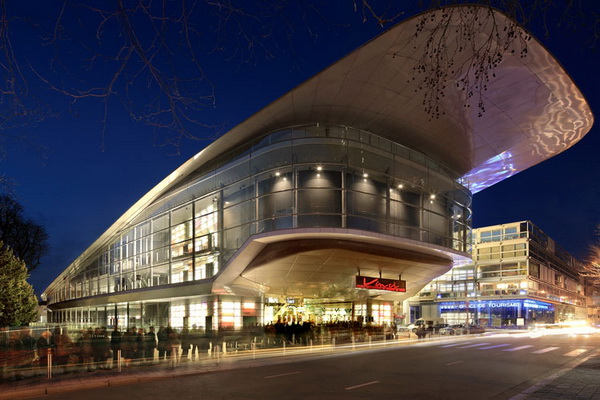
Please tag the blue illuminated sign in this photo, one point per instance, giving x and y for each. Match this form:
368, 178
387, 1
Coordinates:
461, 305
539, 305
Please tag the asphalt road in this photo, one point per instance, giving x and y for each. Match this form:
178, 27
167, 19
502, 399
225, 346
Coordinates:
496, 367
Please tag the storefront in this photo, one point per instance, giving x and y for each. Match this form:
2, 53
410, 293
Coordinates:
213, 313
518, 313
326, 311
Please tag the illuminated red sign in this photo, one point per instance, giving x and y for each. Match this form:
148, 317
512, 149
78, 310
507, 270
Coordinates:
364, 282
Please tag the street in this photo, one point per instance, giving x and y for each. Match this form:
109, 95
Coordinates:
482, 367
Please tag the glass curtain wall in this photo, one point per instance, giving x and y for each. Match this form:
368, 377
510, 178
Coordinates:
305, 177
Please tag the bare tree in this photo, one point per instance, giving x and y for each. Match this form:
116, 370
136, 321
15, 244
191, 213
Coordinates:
591, 268
149, 56
449, 33
27, 240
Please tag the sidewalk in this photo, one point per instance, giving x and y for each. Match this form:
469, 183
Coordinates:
578, 381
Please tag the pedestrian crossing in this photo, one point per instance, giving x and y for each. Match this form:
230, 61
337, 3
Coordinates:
506, 347
546, 350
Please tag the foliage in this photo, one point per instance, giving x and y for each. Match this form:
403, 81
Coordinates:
18, 304
26, 239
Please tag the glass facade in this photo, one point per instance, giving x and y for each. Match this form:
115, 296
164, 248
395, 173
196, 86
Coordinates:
515, 261
303, 177
499, 313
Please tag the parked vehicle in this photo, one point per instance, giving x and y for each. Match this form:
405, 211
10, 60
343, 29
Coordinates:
476, 329
425, 323
457, 329
438, 327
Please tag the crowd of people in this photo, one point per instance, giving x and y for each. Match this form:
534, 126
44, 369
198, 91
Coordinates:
100, 348
97, 348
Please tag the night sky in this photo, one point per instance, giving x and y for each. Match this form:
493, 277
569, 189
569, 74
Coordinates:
85, 180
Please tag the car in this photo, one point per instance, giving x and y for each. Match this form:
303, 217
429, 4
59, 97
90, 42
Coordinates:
474, 329
457, 329
425, 323
438, 327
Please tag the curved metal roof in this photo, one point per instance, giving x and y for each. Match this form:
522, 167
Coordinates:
533, 108
533, 112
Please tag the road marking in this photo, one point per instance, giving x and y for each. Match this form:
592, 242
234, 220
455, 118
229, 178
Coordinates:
454, 344
473, 345
277, 376
546, 350
575, 352
493, 347
361, 385
455, 362
519, 348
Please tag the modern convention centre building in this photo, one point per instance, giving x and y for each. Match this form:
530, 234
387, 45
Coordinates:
336, 202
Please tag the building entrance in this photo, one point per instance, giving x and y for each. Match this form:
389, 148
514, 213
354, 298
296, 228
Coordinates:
327, 311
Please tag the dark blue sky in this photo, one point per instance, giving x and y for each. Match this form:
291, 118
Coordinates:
78, 190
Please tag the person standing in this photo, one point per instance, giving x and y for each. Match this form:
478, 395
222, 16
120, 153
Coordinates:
44, 346
140, 345
163, 342
184, 337
16, 354
149, 345
29, 346
102, 348
115, 344
62, 346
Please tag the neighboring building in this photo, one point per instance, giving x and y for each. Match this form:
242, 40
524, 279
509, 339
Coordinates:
520, 277
344, 176
592, 295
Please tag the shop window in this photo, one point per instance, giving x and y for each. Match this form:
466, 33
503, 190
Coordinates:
160, 275
143, 278
160, 239
492, 271
160, 223
181, 250
142, 230
203, 244
160, 255
181, 272
181, 232
205, 268
181, 215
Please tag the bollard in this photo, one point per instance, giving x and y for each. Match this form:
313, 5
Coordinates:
218, 351
333, 341
253, 350
119, 360
173, 357
284, 347
224, 348
311, 346
49, 364
353, 348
